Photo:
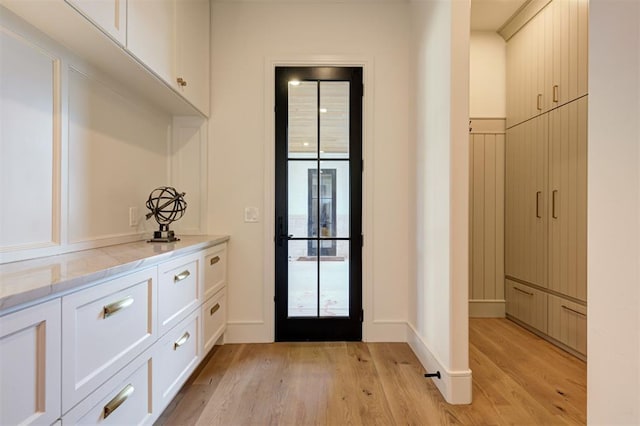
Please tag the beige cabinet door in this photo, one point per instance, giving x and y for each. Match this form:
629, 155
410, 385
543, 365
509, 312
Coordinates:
570, 50
568, 199
525, 202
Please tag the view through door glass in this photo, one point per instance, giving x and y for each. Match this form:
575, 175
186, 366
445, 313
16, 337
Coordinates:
318, 203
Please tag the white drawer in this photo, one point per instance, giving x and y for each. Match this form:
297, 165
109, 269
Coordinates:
126, 399
215, 269
214, 319
103, 329
179, 290
568, 323
177, 354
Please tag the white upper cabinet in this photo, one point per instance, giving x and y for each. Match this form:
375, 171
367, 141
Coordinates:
193, 52
109, 15
171, 37
151, 35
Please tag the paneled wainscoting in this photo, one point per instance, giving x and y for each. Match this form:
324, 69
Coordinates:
518, 378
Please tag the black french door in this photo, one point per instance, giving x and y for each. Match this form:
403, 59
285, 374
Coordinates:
318, 195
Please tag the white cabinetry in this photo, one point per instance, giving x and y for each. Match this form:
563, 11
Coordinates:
179, 290
30, 365
104, 328
115, 351
177, 354
192, 51
126, 399
108, 15
151, 35
172, 39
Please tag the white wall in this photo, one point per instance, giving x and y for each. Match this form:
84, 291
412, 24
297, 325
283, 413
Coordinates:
613, 370
438, 312
487, 68
98, 152
247, 39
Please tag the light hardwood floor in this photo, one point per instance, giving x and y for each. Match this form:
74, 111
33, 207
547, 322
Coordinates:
518, 379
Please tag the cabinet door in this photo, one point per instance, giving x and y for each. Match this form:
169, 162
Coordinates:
109, 15
570, 50
192, 38
30, 369
525, 205
517, 46
151, 35
568, 199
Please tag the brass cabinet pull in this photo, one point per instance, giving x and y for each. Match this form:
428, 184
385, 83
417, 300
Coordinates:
538, 194
181, 341
553, 204
214, 309
117, 400
573, 310
539, 102
114, 307
181, 276
181, 81
214, 260
555, 93
522, 291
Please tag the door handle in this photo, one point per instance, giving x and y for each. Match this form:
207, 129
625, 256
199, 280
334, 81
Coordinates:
281, 235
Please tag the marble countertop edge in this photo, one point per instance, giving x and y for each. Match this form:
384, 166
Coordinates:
33, 281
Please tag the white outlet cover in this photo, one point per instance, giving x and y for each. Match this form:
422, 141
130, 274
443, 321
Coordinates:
251, 214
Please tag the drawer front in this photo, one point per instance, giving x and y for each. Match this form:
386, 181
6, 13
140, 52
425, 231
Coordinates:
179, 290
126, 399
214, 319
30, 365
104, 328
568, 323
215, 269
527, 304
177, 354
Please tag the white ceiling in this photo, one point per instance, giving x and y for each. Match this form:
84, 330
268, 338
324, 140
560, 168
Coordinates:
489, 15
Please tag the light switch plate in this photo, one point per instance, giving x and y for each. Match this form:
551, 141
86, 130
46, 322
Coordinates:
251, 214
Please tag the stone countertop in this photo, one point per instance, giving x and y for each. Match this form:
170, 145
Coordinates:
28, 281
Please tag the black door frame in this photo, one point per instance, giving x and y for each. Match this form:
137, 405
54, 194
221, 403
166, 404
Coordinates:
314, 328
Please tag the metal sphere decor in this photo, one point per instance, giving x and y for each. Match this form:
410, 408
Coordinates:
166, 205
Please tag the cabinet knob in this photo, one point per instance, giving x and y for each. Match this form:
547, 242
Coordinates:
181, 82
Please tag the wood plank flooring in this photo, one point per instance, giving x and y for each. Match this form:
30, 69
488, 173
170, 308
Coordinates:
518, 379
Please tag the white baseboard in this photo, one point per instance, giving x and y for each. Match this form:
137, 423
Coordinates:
455, 385
385, 331
487, 308
247, 332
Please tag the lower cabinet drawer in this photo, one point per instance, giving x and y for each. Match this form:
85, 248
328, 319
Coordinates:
527, 304
103, 329
568, 323
176, 355
126, 399
214, 319
179, 290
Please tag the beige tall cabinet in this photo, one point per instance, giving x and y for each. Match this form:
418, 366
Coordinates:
546, 171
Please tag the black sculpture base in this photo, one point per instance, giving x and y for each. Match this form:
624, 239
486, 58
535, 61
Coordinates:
163, 237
